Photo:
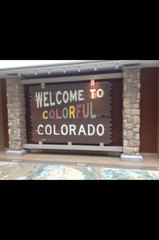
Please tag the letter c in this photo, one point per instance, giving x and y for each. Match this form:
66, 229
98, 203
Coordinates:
58, 102
44, 114
38, 129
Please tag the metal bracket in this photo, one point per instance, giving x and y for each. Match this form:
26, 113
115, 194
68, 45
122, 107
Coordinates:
40, 142
101, 144
69, 143
42, 85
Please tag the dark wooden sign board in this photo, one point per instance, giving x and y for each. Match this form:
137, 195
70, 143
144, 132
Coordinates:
72, 112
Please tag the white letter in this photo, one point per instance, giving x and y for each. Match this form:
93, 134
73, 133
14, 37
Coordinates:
51, 103
65, 101
100, 134
79, 95
38, 99
55, 131
38, 129
58, 102
45, 99
101, 93
92, 90
73, 97
90, 125
46, 129
81, 130
72, 128
64, 125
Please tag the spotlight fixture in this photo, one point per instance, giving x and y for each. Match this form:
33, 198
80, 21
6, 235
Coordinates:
48, 71
19, 74
64, 70
92, 83
95, 68
35, 72
116, 66
79, 69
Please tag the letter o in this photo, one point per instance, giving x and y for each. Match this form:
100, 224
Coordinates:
101, 95
64, 125
46, 129
65, 116
100, 134
52, 111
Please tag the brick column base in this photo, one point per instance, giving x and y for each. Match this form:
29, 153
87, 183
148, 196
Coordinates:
131, 115
16, 117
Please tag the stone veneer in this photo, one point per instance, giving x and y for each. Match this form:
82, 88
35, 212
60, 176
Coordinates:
16, 114
131, 111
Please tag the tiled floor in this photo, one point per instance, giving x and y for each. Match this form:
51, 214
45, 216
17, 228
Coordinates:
149, 161
76, 166
30, 171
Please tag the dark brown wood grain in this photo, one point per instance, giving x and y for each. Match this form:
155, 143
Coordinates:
83, 115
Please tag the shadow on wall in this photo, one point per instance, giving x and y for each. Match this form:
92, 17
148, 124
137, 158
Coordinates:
76, 152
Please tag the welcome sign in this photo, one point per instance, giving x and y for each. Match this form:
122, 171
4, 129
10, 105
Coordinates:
72, 112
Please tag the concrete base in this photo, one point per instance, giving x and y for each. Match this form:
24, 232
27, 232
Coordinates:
131, 158
16, 152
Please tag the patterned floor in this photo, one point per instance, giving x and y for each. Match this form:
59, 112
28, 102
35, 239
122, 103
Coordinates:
30, 171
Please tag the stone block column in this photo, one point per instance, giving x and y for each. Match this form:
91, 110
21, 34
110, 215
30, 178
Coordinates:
131, 115
16, 117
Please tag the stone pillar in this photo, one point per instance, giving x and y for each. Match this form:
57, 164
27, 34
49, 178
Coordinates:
2, 146
16, 117
131, 115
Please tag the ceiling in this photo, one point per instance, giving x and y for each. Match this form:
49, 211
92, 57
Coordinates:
75, 67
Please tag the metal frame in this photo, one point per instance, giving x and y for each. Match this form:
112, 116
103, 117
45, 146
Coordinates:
75, 78
42, 81
134, 66
73, 147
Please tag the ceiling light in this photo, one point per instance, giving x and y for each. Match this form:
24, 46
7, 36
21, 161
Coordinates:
48, 71
79, 69
19, 74
35, 72
95, 68
116, 66
64, 70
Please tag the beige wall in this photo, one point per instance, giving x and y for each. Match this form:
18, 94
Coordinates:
1, 123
